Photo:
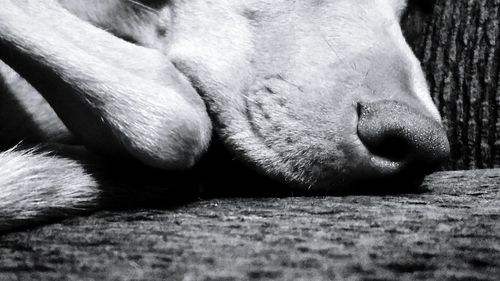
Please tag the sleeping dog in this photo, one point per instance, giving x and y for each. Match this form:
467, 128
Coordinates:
316, 95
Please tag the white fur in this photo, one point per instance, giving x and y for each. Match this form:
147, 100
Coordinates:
37, 186
118, 97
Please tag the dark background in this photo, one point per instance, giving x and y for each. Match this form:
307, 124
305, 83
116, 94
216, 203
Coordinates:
458, 43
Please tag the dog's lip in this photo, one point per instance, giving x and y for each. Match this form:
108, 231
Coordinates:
272, 165
281, 170
284, 174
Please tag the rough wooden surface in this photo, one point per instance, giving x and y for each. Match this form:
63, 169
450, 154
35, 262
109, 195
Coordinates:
450, 232
459, 46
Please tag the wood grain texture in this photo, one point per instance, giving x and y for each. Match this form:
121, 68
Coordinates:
459, 46
450, 232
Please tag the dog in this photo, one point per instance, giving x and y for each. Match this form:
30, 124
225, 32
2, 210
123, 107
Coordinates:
316, 95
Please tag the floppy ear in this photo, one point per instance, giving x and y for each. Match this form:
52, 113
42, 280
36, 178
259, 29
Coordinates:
116, 97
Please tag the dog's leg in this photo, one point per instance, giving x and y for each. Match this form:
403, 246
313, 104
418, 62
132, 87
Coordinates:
111, 94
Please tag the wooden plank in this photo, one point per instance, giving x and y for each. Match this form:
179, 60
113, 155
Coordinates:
450, 232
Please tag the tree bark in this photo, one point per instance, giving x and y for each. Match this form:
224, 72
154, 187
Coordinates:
458, 43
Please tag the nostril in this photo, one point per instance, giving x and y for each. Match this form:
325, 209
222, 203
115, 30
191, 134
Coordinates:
393, 148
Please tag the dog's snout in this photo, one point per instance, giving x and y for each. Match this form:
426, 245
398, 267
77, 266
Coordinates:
401, 139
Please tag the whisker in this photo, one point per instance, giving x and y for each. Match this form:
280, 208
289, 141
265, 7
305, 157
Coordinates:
250, 99
332, 49
143, 7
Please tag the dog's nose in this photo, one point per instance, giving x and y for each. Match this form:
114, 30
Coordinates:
401, 139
